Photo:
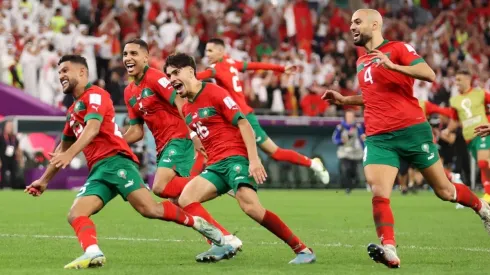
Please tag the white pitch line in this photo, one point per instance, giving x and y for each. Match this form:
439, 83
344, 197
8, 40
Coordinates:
340, 245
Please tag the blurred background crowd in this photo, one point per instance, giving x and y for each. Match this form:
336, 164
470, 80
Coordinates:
314, 35
311, 34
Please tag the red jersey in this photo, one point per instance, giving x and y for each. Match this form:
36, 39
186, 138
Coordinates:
151, 100
96, 103
214, 115
226, 74
389, 104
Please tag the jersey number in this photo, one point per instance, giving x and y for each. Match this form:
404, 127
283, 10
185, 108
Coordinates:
236, 80
367, 76
116, 128
201, 130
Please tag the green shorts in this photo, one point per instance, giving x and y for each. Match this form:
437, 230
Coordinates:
112, 176
177, 155
413, 144
229, 174
477, 144
260, 134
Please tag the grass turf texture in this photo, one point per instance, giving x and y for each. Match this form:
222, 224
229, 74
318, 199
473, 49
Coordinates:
433, 237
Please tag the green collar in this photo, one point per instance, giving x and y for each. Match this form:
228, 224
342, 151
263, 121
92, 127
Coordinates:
138, 81
198, 93
88, 86
382, 44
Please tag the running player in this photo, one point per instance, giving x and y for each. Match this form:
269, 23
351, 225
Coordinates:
396, 128
90, 128
152, 100
233, 162
225, 70
469, 108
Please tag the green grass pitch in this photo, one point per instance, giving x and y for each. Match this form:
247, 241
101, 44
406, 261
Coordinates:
433, 237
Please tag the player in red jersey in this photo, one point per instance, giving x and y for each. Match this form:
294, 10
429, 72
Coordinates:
152, 100
225, 70
233, 162
90, 128
396, 128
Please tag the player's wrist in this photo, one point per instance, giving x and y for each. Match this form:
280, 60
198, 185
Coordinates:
192, 135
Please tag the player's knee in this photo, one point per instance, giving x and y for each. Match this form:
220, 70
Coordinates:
72, 215
483, 164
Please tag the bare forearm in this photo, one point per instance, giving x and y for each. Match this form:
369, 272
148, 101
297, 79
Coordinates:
353, 100
51, 171
85, 138
420, 71
134, 134
248, 138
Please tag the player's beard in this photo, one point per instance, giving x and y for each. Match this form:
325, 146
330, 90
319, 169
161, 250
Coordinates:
363, 40
72, 83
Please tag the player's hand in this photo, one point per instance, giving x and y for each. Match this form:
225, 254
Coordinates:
256, 170
333, 97
198, 146
61, 160
483, 130
36, 188
290, 69
383, 59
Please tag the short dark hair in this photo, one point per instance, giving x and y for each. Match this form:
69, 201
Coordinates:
464, 71
140, 42
217, 41
74, 58
179, 61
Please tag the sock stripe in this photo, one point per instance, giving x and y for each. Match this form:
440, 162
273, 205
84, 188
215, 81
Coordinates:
383, 224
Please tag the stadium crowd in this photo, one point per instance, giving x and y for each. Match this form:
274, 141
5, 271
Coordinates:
311, 34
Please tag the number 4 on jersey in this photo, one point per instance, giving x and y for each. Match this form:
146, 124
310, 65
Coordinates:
367, 76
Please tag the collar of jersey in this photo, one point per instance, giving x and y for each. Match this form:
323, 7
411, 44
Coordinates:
198, 93
137, 81
88, 86
382, 44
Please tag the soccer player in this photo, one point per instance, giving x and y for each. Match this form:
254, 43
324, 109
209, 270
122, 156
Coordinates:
152, 100
396, 128
469, 109
233, 162
90, 128
225, 70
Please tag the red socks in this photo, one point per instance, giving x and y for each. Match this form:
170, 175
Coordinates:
485, 175
198, 165
85, 231
196, 209
383, 220
174, 188
275, 225
465, 197
173, 213
291, 156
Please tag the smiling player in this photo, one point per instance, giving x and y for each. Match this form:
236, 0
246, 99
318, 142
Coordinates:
396, 127
90, 128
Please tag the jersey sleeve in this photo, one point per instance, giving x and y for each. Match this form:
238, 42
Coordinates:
161, 85
431, 108
206, 74
407, 56
130, 101
98, 105
227, 106
487, 97
68, 134
244, 66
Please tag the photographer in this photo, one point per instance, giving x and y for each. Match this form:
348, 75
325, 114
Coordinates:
349, 136
10, 157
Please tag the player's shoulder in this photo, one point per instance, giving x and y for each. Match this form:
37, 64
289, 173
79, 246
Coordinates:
213, 89
157, 76
95, 90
